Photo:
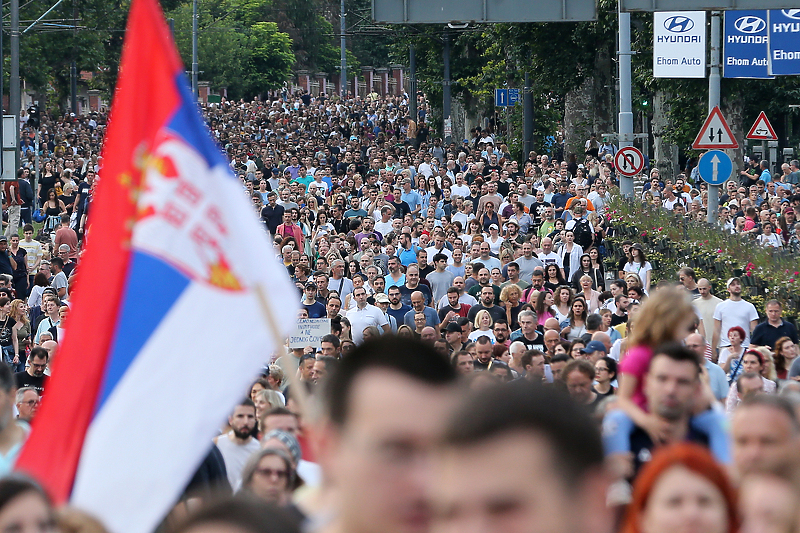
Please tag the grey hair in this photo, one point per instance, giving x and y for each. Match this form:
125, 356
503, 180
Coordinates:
21, 393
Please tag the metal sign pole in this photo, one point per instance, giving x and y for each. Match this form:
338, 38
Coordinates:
713, 101
625, 106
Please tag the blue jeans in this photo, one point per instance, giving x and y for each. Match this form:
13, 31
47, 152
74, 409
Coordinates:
8, 358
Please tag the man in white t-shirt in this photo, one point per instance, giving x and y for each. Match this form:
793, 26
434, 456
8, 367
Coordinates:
548, 256
733, 312
364, 315
459, 187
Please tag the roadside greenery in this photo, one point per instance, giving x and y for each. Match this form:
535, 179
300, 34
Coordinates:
672, 243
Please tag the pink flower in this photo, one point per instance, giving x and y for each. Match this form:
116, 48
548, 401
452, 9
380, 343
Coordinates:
644, 234
797, 273
748, 274
719, 251
659, 229
791, 280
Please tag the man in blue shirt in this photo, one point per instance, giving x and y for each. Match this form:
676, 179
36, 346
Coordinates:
411, 197
766, 177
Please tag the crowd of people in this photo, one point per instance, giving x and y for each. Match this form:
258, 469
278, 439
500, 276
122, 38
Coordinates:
489, 363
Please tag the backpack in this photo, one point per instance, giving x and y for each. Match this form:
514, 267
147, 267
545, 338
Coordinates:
583, 233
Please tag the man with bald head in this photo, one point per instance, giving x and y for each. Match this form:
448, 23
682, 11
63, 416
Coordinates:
418, 306
706, 304
603, 338
552, 338
515, 350
551, 324
718, 380
428, 334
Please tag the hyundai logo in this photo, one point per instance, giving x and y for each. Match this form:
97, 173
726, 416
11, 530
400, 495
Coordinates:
679, 24
792, 13
750, 24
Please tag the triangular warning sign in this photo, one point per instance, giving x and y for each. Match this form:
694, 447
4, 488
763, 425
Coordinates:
715, 133
762, 130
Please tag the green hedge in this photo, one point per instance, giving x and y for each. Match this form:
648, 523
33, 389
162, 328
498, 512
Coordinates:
672, 243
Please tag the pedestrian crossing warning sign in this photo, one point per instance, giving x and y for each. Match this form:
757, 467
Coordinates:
715, 133
762, 130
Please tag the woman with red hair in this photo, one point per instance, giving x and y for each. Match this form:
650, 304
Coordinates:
683, 489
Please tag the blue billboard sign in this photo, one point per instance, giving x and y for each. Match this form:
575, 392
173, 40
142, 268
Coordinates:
745, 45
784, 42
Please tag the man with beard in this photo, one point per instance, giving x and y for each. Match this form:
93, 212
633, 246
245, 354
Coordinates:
238, 444
34, 376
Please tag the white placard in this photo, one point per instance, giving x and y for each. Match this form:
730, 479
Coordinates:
309, 332
679, 44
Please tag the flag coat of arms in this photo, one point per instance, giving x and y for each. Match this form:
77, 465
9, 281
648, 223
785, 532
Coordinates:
178, 303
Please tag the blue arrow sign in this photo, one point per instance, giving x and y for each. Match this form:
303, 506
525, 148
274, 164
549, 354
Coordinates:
513, 96
715, 167
500, 97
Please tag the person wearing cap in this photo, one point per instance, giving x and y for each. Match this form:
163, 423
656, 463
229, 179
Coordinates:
382, 302
733, 312
593, 351
309, 302
452, 335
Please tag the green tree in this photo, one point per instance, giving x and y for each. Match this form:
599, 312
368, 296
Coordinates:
270, 61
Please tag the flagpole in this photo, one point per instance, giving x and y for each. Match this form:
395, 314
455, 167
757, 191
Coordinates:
299, 392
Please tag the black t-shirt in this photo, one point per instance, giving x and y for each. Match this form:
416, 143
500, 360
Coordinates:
24, 379
46, 183
401, 209
617, 320
642, 446
6, 331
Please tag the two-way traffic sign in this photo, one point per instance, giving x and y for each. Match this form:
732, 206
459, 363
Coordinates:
715, 167
715, 133
629, 161
762, 130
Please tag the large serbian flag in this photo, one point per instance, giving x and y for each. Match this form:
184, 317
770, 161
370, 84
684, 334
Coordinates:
179, 302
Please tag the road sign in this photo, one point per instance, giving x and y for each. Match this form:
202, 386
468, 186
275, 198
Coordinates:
715, 167
513, 96
500, 97
629, 161
762, 130
715, 133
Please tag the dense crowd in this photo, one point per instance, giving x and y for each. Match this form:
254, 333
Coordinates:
489, 364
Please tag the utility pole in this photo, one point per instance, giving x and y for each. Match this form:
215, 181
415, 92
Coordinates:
446, 89
73, 67
14, 96
412, 97
625, 108
713, 101
527, 112
343, 49
194, 51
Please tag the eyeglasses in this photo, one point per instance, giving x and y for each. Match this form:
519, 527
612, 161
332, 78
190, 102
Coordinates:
269, 472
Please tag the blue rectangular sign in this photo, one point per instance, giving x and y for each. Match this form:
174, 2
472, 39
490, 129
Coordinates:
745, 45
500, 97
784, 42
513, 96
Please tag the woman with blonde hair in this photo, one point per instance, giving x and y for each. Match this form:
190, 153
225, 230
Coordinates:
483, 326
511, 302
19, 312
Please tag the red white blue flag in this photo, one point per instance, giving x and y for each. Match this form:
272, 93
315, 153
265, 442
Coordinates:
178, 303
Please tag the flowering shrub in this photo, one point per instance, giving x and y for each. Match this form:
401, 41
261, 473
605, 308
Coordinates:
672, 243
